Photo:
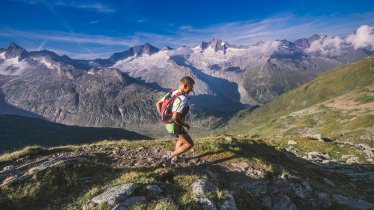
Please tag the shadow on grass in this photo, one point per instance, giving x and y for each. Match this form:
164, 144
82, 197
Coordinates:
17, 132
217, 163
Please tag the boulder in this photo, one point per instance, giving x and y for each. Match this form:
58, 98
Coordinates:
205, 203
201, 186
156, 190
256, 188
229, 203
318, 156
353, 160
115, 194
291, 142
133, 200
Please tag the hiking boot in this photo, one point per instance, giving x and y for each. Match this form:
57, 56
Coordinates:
177, 159
167, 160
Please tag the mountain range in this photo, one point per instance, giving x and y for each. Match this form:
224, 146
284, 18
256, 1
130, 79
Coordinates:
120, 91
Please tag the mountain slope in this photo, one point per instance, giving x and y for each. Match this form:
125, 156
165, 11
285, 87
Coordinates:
338, 103
17, 132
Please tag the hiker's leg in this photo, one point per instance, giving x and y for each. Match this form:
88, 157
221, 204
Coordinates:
184, 143
178, 144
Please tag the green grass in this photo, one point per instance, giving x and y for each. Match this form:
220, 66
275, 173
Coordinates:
352, 79
340, 81
61, 186
364, 99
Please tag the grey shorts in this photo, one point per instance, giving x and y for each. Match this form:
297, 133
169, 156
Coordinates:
177, 130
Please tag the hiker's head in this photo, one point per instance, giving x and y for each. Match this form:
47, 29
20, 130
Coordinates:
186, 85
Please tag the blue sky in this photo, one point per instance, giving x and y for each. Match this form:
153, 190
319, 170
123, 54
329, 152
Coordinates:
96, 28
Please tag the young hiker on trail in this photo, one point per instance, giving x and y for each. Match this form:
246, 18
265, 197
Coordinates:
178, 128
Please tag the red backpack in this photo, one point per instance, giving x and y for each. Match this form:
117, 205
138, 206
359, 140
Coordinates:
167, 107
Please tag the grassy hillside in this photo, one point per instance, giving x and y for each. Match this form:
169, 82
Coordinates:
338, 104
228, 162
17, 132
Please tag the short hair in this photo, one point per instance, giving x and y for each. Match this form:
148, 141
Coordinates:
187, 80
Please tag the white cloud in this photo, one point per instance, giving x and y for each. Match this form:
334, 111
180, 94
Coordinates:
331, 46
266, 47
363, 37
90, 5
95, 6
180, 51
69, 37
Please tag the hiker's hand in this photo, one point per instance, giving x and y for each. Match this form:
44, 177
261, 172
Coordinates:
186, 126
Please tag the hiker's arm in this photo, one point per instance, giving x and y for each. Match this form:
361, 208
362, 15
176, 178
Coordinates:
177, 119
158, 106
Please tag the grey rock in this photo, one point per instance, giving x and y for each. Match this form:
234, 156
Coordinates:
201, 186
8, 168
229, 203
229, 139
316, 137
291, 142
327, 139
353, 160
318, 156
133, 200
329, 182
282, 202
115, 194
256, 188
352, 203
205, 203
241, 166
325, 161
364, 147
369, 153
344, 157
254, 173
155, 189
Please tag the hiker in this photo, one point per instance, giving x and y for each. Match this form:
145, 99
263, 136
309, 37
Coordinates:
177, 127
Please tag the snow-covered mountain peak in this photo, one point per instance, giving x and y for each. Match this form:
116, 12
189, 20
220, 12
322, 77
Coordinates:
215, 44
14, 50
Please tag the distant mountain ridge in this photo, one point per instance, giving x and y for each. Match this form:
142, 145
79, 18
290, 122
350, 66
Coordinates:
120, 91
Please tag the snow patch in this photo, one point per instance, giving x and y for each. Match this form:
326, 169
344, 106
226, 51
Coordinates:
157, 60
12, 66
48, 64
2, 55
